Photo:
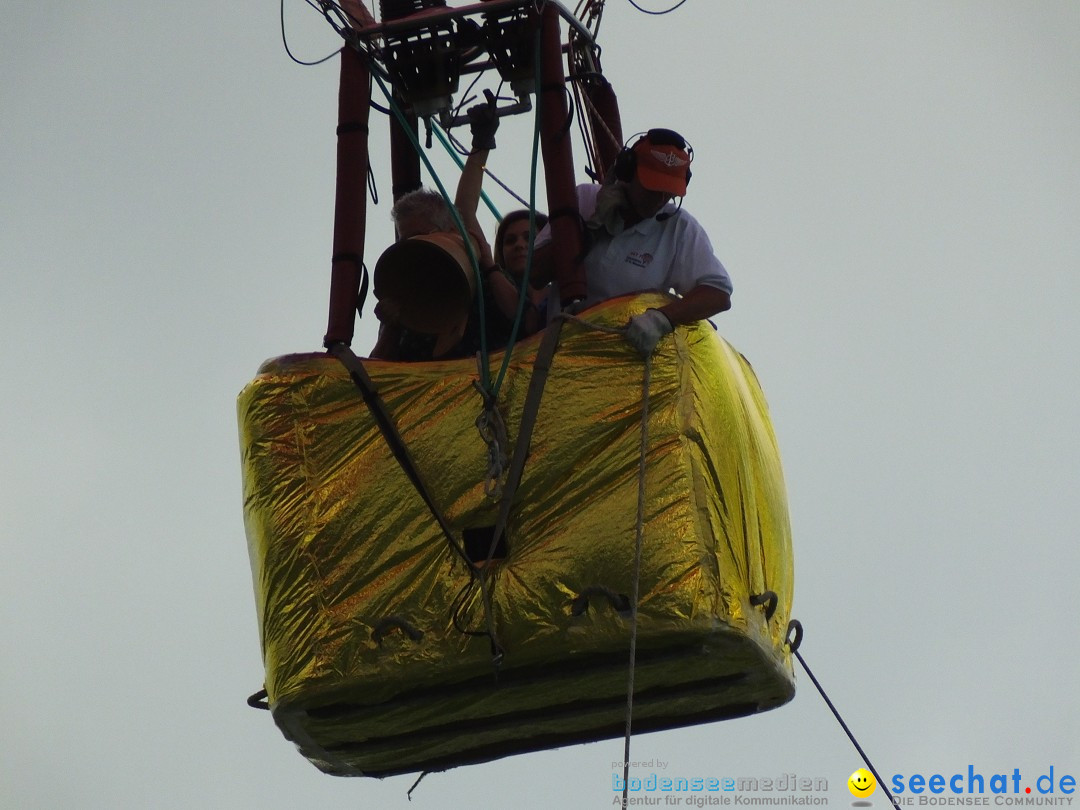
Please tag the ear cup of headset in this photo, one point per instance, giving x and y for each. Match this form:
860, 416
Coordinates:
625, 164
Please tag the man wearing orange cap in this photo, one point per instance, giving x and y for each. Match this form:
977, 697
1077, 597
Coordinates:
637, 239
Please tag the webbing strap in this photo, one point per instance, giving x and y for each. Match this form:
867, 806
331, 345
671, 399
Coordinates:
541, 367
393, 438
349, 127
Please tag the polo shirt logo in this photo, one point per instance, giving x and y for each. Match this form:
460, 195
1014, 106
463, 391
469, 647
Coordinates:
639, 258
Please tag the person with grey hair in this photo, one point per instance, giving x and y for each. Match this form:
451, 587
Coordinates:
421, 211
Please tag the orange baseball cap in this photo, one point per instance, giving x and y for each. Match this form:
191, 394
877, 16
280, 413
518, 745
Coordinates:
662, 167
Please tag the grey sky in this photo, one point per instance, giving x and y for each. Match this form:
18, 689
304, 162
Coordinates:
894, 189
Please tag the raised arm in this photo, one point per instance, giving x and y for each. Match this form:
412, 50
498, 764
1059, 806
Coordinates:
467, 198
483, 121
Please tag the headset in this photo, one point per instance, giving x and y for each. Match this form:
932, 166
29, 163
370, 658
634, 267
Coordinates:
626, 160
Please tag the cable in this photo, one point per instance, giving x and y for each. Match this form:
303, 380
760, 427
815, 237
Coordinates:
465, 97
523, 294
524, 203
452, 150
844, 726
638, 542
639, 535
285, 41
655, 13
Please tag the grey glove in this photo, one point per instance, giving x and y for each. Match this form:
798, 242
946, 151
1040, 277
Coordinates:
484, 122
645, 330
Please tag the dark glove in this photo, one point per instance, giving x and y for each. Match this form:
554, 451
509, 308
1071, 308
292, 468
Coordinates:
484, 121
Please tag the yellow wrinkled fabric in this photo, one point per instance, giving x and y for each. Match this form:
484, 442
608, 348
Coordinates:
349, 564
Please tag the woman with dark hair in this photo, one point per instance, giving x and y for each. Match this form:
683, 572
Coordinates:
512, 242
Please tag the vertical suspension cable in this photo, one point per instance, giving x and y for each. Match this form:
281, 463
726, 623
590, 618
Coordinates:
523, 293
643, 450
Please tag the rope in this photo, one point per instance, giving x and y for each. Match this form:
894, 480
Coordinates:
489, 616
762, 598
643, 451
639, 531
844, 726
596, 116
541, 366
492, 430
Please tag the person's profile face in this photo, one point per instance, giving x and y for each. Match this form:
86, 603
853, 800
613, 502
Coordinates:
646, 202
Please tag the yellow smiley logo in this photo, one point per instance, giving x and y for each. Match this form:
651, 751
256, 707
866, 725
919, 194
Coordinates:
861, 783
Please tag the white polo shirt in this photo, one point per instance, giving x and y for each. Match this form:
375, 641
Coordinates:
671, 254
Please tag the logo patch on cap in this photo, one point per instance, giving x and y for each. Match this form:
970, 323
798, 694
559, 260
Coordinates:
669, 159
